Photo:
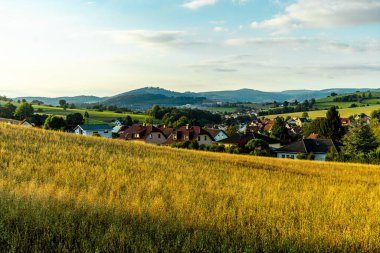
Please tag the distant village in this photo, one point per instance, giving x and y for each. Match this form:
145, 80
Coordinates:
321, 139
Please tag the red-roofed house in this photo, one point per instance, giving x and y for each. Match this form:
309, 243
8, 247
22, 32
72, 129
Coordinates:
186, 133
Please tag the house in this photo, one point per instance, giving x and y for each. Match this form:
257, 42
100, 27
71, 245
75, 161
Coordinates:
345, 121
9, 121
217, 134
242, 139
186, 133
26, 123
319, 147
103, 130
118, 122
117, 128
301, 121
148, 134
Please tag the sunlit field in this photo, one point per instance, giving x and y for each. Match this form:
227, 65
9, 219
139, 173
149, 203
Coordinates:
345, 112
67, 193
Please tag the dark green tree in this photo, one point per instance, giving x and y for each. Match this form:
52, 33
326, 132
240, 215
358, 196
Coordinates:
279, 129
128, 121
54, 123
74, 120
24, 110
334, 123
232, 131
360, 139
7, 111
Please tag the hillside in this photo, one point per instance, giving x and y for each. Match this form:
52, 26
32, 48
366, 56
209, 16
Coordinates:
70, 100
65, 193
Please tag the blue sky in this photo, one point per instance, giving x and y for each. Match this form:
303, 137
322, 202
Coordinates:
72, 47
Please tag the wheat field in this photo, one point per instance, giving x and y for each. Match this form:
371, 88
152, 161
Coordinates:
66, 193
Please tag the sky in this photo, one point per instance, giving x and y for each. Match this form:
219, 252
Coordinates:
105, 47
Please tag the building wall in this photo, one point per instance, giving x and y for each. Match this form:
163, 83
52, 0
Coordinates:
155, 138
104, 134
204, 139
318, 157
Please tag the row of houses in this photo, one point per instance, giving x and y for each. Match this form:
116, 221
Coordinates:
168, 136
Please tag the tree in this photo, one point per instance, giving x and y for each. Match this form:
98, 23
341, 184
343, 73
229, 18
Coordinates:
305, 115
24, 110
318, 126
128, 121
86, 116
375, 114
148, 121
7, 111
334, 123
181, 122
155, 111
370, 95
63, 103
257, 147
279, 129
54, 123
286, 103
74, 120
333, 94
232, 131
360, 139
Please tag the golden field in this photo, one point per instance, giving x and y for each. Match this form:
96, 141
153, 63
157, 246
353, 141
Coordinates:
66, 193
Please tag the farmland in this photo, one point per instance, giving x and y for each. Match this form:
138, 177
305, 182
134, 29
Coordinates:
345, 113
61, 192
95, 116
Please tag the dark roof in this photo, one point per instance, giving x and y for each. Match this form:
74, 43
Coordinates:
142, 131
187, 133
307, 146
244, 138
214, 132
95, 127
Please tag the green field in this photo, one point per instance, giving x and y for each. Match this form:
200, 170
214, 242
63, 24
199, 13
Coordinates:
344, 113
95, 116
67, 193
324, 103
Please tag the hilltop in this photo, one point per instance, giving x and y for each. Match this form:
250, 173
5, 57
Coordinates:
145, 97
61, 192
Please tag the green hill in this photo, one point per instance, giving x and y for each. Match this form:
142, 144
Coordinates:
67, 193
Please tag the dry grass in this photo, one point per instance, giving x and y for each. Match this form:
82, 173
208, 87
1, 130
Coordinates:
69, 193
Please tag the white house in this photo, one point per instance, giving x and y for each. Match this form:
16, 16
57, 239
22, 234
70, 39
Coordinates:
103, 130
318, 147
217, 134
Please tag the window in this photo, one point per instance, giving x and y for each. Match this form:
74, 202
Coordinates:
136, 135
150, 136
159, 136
199, 138
174, 137
283, 156
205, 138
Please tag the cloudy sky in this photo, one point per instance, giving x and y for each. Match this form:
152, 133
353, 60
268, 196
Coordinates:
103, 47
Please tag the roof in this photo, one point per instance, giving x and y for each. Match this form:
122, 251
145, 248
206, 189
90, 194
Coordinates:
142, 131
187, 133
244, 138
214, 132
95, 127
307, 146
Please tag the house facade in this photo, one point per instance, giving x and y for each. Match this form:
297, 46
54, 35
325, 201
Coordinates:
186, 133
318, 147
217, 134
242, 139
148, 134
103, 130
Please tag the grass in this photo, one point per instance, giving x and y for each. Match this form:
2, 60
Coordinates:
61, 192
344, 113
95, 116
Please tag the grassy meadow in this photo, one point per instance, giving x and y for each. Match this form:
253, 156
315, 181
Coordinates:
67, 193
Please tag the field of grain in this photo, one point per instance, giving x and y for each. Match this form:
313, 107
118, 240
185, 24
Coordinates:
346, 112
66, 193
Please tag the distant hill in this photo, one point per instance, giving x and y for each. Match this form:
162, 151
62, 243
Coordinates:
55, 101
146, 97
145, 101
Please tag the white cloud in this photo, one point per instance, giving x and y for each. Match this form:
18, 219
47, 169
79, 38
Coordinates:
196, 4
220, 29
324, 13
148, 37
